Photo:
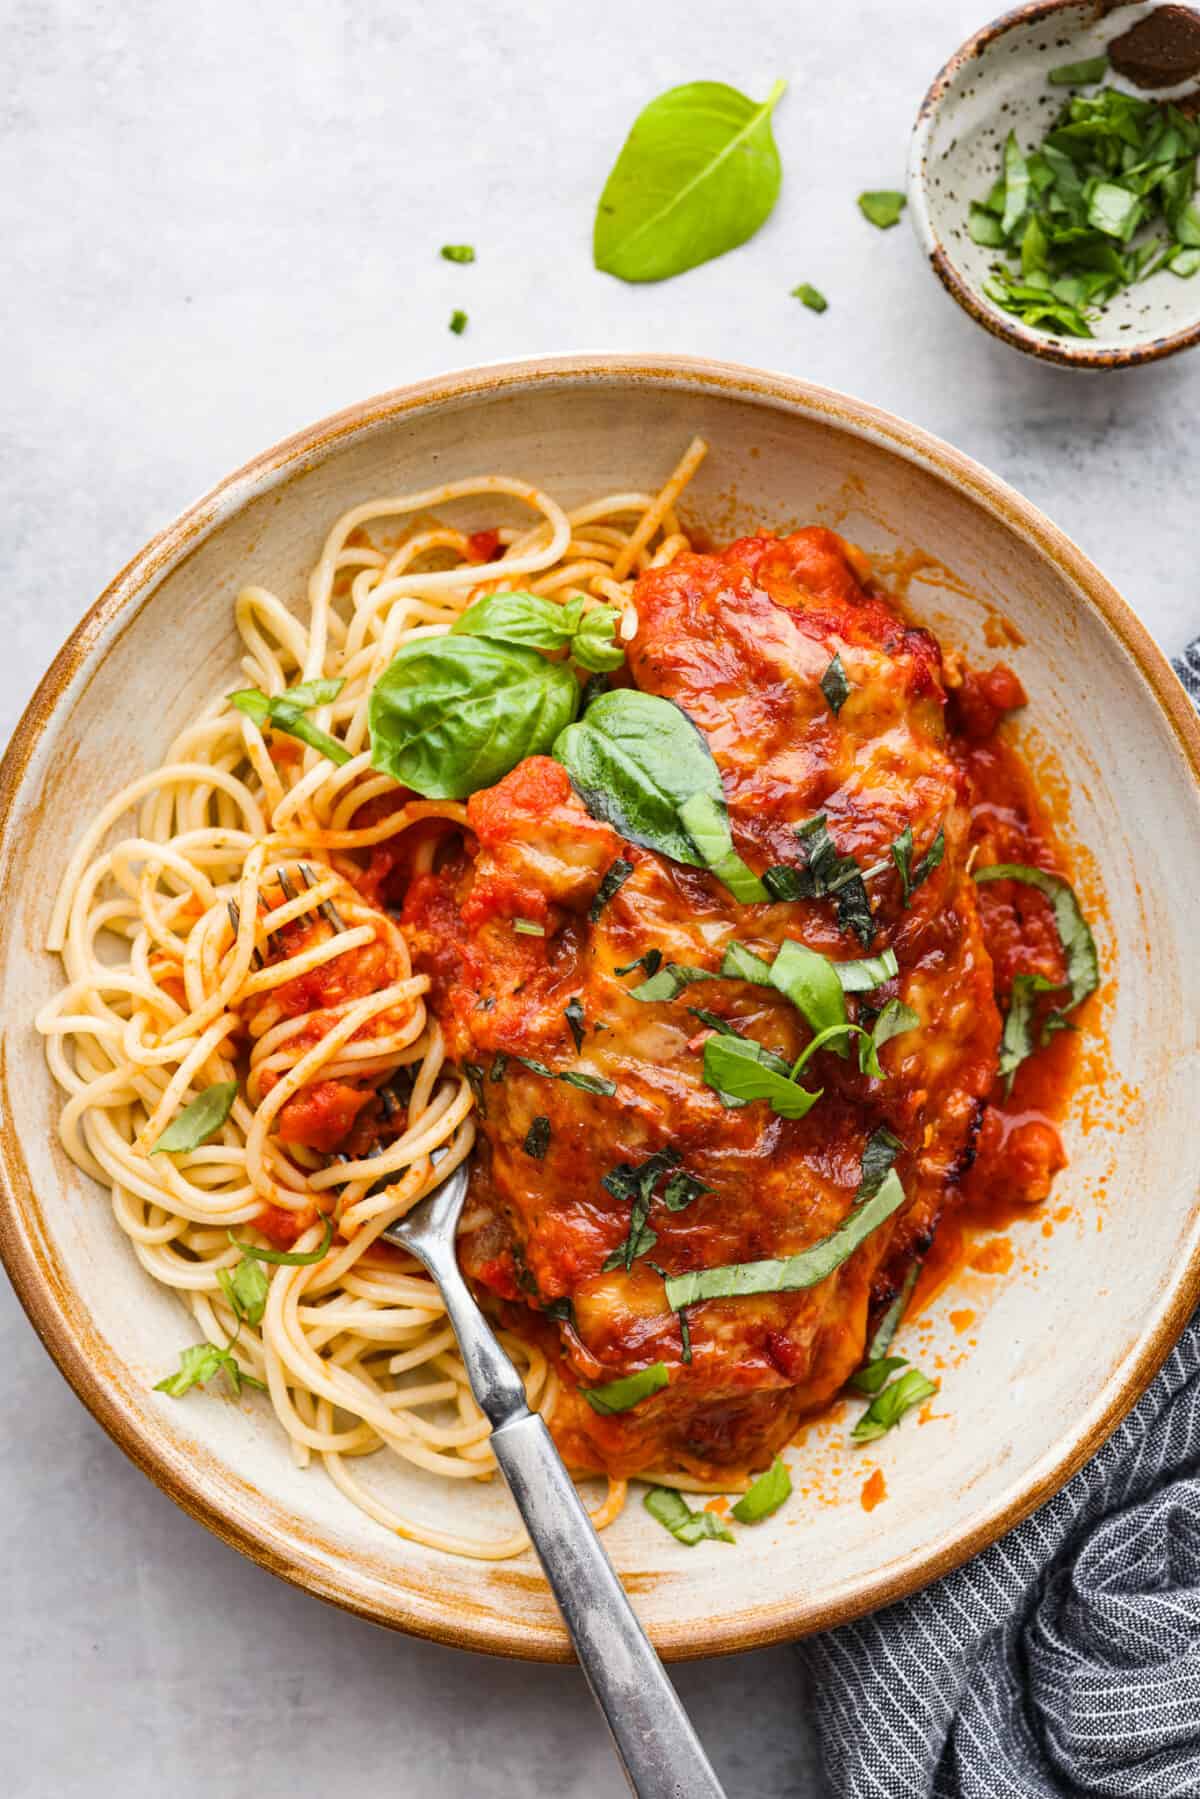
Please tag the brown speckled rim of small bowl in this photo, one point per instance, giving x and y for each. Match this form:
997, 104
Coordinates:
59, 1312
1077, 354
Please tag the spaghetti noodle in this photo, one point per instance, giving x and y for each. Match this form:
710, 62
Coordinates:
223, 938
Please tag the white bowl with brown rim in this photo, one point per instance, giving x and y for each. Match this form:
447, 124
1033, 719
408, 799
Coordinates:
1058, 1347
995, 83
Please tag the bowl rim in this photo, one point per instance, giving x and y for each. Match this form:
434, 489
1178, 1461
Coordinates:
24, 1241
1073, 354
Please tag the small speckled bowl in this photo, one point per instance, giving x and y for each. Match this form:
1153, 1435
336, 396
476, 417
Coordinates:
995, 83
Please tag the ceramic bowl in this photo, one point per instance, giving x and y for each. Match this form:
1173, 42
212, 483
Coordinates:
997, 83
1037, 1364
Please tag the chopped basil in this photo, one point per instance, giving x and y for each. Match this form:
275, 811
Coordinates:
739, 1071
621, 1395
741, 964
528, 927
499, 1064
198, 1121
458, 252
617, 874
892, 1020
576, 1020
1078, 944
246, 1288
889, 1406
685, 1336
1016, 1042
458, 322
669, 982
697, 175
912, 878
879, 1153
640, 1239
589, 1083
561, 1311
651, 962
1079, 74
835, 686
882, 207
285, 712
1069, 210
636, 1183
706, 822
628, 1180
832, 875
787, 885
682, 1189
537, 1138
765, 1496
812, 297
791, 1274
686, 1526
874, 1375
474, 1076
289, 1258
197, 1366
810, 981
893, 1317
865, 975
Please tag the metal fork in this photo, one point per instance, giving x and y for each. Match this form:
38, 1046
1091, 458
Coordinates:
660, 1752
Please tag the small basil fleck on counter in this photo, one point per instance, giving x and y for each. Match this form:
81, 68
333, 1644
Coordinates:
458, 252
882, 207
458, 322
812, 297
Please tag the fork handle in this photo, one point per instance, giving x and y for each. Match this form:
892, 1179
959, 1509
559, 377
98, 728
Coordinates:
661, 1753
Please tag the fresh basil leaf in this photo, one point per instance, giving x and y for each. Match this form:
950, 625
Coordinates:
669, 982
288, 1258
1114, 210
450, 715
634, 760
873, 1376
706, 821
621, 1395
795, 1272
197, 1367
651, 962
1078, 944
537, 1138
1016, 184
741, 964
810, 296
810, 981
902, 849
739, 1071
766, 1495
285, 712
246, 1289
697, 176
889, 1324
889, 1407
617, 874
458, 321
835, 685
882, 207
458, 252
531, 620
1079, 74
894, 1018
672, 1510
576, 1020
201, 1119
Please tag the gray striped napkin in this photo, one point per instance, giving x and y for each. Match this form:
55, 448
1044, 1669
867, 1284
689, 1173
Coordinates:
1065, 1660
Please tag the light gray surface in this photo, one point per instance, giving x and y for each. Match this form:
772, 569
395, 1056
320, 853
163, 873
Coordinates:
221, 224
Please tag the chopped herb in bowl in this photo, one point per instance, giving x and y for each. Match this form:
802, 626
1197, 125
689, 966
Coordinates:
1105, 200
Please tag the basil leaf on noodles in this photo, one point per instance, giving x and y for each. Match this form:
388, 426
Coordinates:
450, 715
542, 624
672, 1510
198, 1121
197, 1367
621, 1395
697, 175
246, 1288
766, 1495
288, 1258
639, 763
285, 712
